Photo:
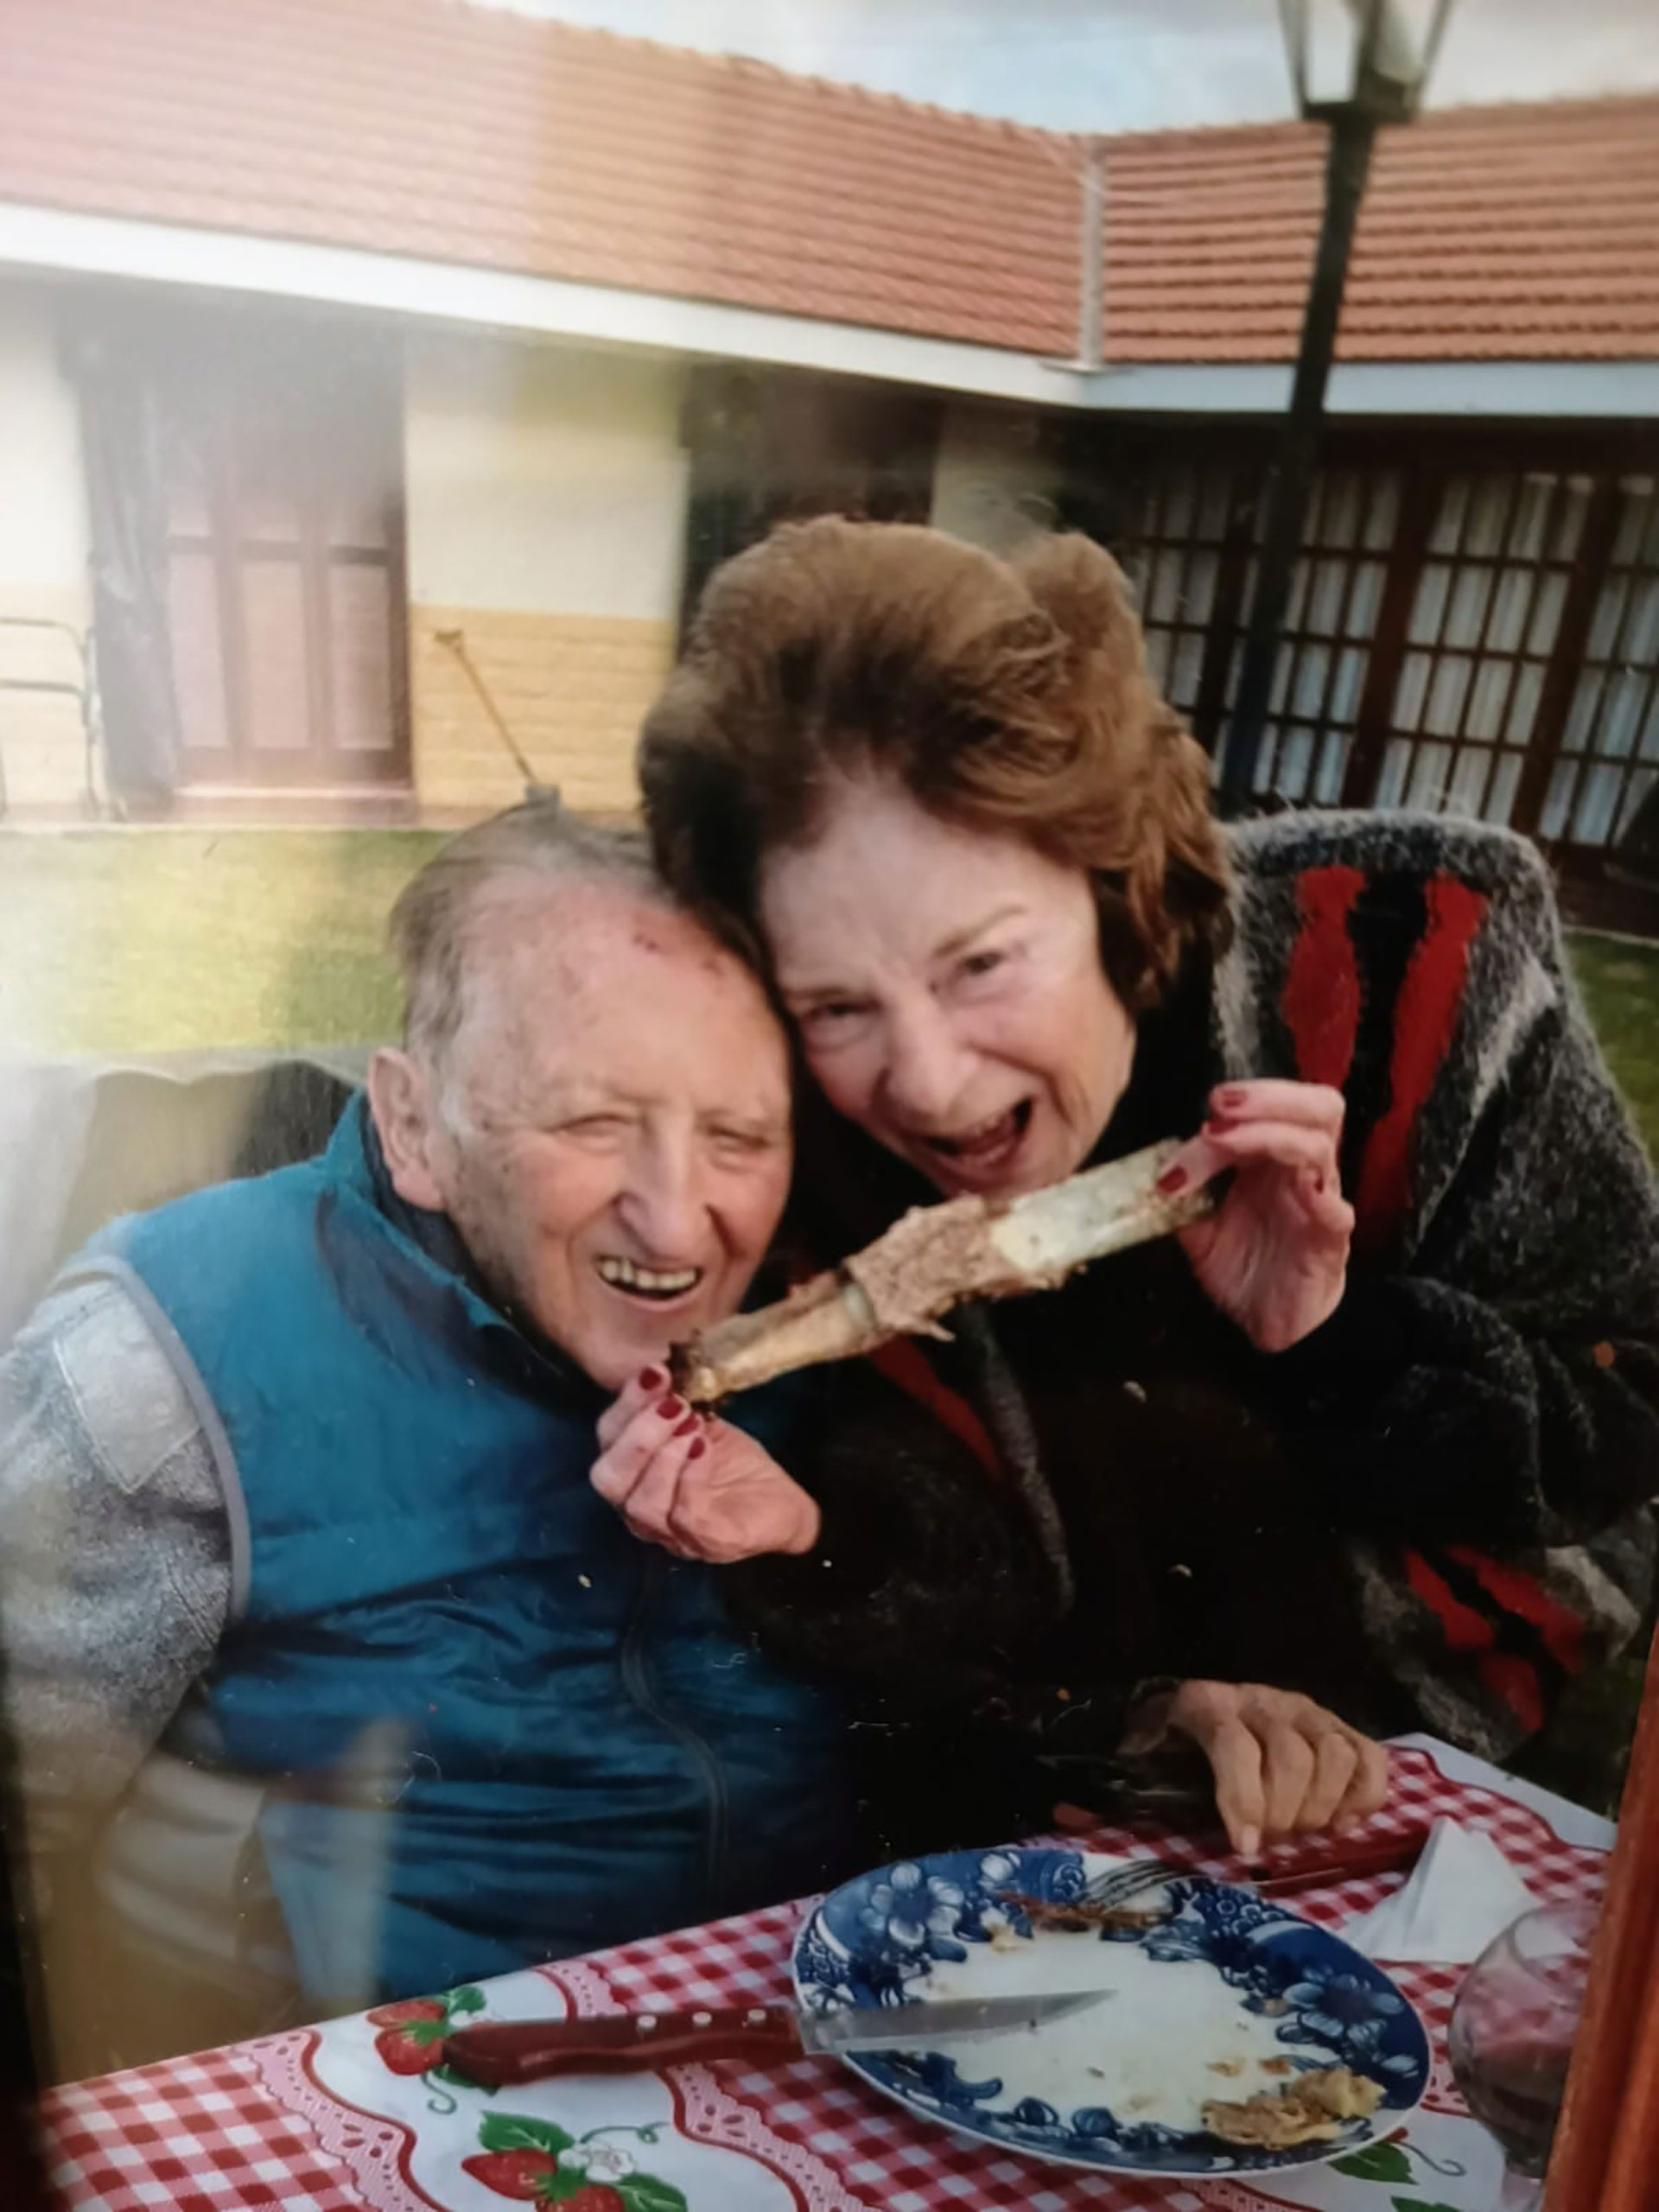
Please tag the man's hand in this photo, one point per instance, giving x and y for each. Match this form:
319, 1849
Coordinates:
1282, 1765
695, 1485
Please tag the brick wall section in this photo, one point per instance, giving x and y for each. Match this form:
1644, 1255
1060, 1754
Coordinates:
572, 689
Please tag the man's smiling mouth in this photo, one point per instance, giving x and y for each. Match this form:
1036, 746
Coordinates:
655, 1285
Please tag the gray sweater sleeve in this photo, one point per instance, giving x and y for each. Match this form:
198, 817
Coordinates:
115, 1555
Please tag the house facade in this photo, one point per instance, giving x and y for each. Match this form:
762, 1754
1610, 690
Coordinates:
370, 537
378, 383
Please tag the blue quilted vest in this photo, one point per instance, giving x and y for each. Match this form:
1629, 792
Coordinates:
487, 1717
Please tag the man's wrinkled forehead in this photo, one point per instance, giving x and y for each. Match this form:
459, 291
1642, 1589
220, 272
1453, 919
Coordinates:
579, 979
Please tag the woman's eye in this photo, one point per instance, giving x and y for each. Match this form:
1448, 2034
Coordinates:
595, 1127
982, 963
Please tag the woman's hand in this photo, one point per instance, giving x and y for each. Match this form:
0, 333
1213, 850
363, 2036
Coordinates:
1282, 1765
1275, 1255
694, 1484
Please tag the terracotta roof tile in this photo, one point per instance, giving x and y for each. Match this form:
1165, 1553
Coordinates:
466, 134
469, 134
1512, 233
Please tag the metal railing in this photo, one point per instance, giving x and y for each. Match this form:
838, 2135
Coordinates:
82, 688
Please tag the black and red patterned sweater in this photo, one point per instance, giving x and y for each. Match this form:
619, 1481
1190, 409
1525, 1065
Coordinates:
1434, 1511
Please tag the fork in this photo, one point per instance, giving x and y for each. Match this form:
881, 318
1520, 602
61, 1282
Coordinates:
1106, 1893
1384, 1855
1115, 1887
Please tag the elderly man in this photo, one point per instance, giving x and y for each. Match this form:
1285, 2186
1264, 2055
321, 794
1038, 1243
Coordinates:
326, 1655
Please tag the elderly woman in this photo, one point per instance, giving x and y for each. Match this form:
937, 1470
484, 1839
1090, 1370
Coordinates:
1381, 1430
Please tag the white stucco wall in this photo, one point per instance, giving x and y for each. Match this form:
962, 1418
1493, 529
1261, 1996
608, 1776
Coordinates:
42, 550
546, 492
42, 501
992, 484
544, 480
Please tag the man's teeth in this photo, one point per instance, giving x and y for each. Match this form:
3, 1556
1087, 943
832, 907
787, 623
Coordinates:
650, 1283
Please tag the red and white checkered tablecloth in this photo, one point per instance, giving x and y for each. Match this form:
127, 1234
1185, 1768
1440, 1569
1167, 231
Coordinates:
313, 2122
189, 2134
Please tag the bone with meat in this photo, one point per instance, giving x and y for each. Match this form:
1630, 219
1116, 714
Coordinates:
933, 1258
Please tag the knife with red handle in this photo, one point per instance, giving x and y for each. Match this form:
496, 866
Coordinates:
497, 2054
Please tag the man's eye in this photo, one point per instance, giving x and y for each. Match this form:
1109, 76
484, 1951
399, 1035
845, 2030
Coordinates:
598, 1126
748, 1142
831, 1013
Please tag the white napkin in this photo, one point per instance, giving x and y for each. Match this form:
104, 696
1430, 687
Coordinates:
1463, 1891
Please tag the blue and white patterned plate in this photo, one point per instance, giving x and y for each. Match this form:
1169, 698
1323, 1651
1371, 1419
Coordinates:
1227, 1994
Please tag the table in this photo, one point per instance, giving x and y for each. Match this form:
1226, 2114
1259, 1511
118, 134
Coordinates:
347, 2118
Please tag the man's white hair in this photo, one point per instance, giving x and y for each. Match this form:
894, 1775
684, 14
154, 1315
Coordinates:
435, 923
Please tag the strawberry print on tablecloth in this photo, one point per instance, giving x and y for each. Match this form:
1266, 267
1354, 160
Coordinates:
408, 2034
537, 2162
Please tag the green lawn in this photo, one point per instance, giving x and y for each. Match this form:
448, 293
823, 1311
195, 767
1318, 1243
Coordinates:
155, 940
161, 940
1620, 982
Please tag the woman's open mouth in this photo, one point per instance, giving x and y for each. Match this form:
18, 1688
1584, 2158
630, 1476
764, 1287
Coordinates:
976, 1157
648, 1286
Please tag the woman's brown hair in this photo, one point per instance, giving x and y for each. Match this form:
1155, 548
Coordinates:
1010, 696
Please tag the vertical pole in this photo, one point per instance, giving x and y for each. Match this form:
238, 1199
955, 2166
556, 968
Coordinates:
1290, 480
1244, 489
1091, 274
1603, 2155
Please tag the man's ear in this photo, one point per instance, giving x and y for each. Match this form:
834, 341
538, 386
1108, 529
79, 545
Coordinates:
400, 1099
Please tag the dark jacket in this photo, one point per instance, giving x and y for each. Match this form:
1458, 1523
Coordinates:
1433, 1510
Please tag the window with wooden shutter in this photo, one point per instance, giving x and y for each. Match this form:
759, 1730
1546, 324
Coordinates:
285, 582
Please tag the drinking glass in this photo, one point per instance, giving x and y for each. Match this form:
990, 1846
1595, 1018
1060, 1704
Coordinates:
1511, 2037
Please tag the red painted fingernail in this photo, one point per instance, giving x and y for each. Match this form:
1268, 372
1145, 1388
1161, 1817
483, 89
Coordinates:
653, 1378
1172, 1178
1229, 1101
671, 1409
698, 1448
688, 1427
